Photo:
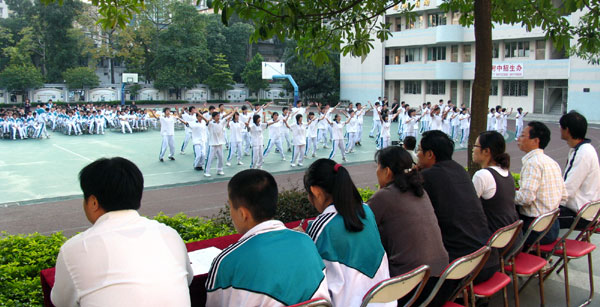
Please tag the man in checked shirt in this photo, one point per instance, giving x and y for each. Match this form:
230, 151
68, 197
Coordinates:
542, 188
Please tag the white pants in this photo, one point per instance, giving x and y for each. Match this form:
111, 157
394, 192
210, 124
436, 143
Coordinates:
125, 124
311, 144
338, 145
455, 131
322, 136
286, 136
384, 142
465, 136
100, 126
376, 128
351, 141
359, 133
257, 156
168, 140
246, 142
235, 148
198, 155
518, 131
277, 143
298, 153
214, 151
424, 126
188, 138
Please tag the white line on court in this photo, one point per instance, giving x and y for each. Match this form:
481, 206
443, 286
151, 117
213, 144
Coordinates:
169, 173
73, 153
24, 163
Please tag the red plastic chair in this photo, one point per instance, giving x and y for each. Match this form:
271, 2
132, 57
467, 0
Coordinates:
464, 267
569, 249
502, 239
395, 288
315, 302
525, 264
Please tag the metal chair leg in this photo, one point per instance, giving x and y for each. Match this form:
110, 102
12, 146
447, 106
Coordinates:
541, 279
515, 285
591, 276
566, 270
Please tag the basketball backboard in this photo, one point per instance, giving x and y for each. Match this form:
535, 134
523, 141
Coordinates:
129, 78
269, 69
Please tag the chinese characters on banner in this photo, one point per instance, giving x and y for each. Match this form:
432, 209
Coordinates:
507, 70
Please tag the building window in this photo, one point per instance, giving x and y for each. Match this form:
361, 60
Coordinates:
436, 53
516, 49
495, 50
540, 50
436, 87
467, 53
494, 88
412, 87
437, 19
514, 88
412, 55
454, 53
398, 24
414, 23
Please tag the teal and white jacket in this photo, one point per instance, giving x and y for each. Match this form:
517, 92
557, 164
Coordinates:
270, 265
355, 261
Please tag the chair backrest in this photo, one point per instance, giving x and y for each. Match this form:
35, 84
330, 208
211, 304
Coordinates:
542, 225
505, 236
395, 288
315, 302
589, 212
466, 266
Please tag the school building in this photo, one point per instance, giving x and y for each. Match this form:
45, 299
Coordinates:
432, 57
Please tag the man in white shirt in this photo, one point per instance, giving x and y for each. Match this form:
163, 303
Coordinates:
124, 259
582, 172
189, 116
167, 131
216, 140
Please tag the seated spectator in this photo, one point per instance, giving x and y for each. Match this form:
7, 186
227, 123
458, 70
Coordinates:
458, 209
493, 183
270, 265
542, 188
410, 142
123, 259
345, 234
582, 173
407, 224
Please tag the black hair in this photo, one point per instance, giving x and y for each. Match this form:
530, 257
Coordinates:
410, 142
494, 141
255, 190
284, 109
576, 123
311, 113
492, 109
401, 163
255, 118
221, 105
339, 185
244, 108
519, 110
214, 114
117, 183
539, 130
191, 108
165, 109
439, 143
211, 108
273, 114
298, 117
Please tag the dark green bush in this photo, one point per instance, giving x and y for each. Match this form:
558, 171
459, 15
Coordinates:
194, 228
22, 257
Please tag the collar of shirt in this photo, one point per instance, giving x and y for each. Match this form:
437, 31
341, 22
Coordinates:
270, 225
123, 216
330, 209
530, 155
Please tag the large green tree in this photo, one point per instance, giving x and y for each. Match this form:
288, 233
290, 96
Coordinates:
221, 77
81, 77
20, 78
252, 75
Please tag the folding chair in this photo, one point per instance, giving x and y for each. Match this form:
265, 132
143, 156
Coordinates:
569, 249
464, 267
315, 302
502, 239
395, 288
525, 264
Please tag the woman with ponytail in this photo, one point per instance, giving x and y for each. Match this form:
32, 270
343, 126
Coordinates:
407, 223
493, 182
345, 234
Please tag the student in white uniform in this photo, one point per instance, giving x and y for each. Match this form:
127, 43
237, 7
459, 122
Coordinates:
199, 140
298, 130
235, 138
498, 119
246, 141
338, 136
376, 130
345, 233
167, 131
188, 116
270, 265
436, 119
412, 123
360, 114
275, 135
351, 130
311, 135
491, 120
505, 116
322, 125
465, 126
386, 126
216, 141
256, 129
519, 122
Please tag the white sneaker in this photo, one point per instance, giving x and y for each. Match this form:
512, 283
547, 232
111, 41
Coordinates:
283, 159
313, 155
292, 165
240, 163
300, 164
182, 153
344, 159
228, 164
221, 173
206, 175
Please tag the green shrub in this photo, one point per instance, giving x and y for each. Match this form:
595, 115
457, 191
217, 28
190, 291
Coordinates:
516, 177
194, 228
22, 257
365, 193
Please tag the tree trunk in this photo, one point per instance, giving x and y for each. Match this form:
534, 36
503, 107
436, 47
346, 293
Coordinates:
111, 68
483, 74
